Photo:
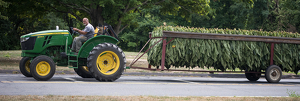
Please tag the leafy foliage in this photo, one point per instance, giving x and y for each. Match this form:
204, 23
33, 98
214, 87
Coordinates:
120, 13
134, 19
26, 18
3, 4
284, 15
136, 35
221, 54
292, 93
268, 15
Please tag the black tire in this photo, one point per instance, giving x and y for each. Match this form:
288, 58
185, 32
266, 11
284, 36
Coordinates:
42, 68
273, 74
253, 76
25, 66
83, 72
106, 62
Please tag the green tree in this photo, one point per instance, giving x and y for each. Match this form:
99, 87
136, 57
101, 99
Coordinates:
17, 15
3, 6
284, 16
268, 15
136, 35
240, 14
121, 13
27, 17
225, 14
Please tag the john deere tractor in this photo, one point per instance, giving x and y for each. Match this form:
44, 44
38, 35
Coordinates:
99, 57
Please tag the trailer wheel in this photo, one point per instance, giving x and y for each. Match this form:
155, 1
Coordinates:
42, 68
273, 74
106, 62
25, 66
83, 72
253, 76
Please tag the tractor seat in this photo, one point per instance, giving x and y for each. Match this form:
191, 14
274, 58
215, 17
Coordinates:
97, 30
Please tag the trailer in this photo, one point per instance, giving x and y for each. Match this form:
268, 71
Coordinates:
273, 73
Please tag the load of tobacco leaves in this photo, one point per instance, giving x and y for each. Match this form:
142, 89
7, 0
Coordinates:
221, 54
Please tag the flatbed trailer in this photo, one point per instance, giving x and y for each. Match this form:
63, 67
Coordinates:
273, 73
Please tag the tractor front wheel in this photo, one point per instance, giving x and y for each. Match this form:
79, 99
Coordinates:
25, 66
106, 62
42, 68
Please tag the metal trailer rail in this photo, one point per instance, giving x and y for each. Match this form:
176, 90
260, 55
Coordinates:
232, 37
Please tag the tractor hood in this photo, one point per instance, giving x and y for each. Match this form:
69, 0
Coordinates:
39, 42
47, 32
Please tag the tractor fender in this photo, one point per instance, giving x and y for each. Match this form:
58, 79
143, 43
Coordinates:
92, 42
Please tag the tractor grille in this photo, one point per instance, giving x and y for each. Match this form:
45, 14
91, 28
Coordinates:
47, 40
29, 44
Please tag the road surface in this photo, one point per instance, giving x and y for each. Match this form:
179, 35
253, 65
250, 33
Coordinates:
17, 84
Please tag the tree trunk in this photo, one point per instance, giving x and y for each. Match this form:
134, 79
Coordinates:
96, 16
118, 26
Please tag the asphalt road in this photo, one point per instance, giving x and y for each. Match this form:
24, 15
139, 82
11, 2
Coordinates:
17, 84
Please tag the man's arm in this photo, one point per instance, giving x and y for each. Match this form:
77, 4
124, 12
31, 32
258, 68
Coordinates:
80, 31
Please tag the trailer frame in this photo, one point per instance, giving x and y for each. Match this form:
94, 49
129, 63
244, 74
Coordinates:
231, 37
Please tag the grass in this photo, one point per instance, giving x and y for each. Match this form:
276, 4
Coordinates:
138, 98
11, 54
292, 93
131, 55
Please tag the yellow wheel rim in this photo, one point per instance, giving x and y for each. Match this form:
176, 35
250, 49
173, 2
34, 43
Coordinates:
27, 64
43, 68
108, 62
85, 68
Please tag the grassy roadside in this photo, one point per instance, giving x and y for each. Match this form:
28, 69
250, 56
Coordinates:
138, 98
9, 60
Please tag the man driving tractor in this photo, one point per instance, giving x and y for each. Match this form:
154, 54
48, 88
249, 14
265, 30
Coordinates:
85, 34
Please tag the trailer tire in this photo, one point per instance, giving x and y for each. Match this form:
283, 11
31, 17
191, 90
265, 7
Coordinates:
106, 62
273, 74
25, 66
42, 68
253, 76
83, 72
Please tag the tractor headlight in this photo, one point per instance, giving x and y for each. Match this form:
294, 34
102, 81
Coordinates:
24, 39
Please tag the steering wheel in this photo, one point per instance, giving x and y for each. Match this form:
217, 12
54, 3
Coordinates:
73, 32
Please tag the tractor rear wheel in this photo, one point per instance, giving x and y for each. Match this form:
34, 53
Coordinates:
25, 66
42, 68
106, 62
83, 72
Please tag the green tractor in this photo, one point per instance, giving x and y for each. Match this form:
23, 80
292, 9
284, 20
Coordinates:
98, 57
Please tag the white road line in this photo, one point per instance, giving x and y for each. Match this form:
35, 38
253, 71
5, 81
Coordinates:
186, 81
72, 79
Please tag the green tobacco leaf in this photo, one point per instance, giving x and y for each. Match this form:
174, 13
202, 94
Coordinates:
223, 55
